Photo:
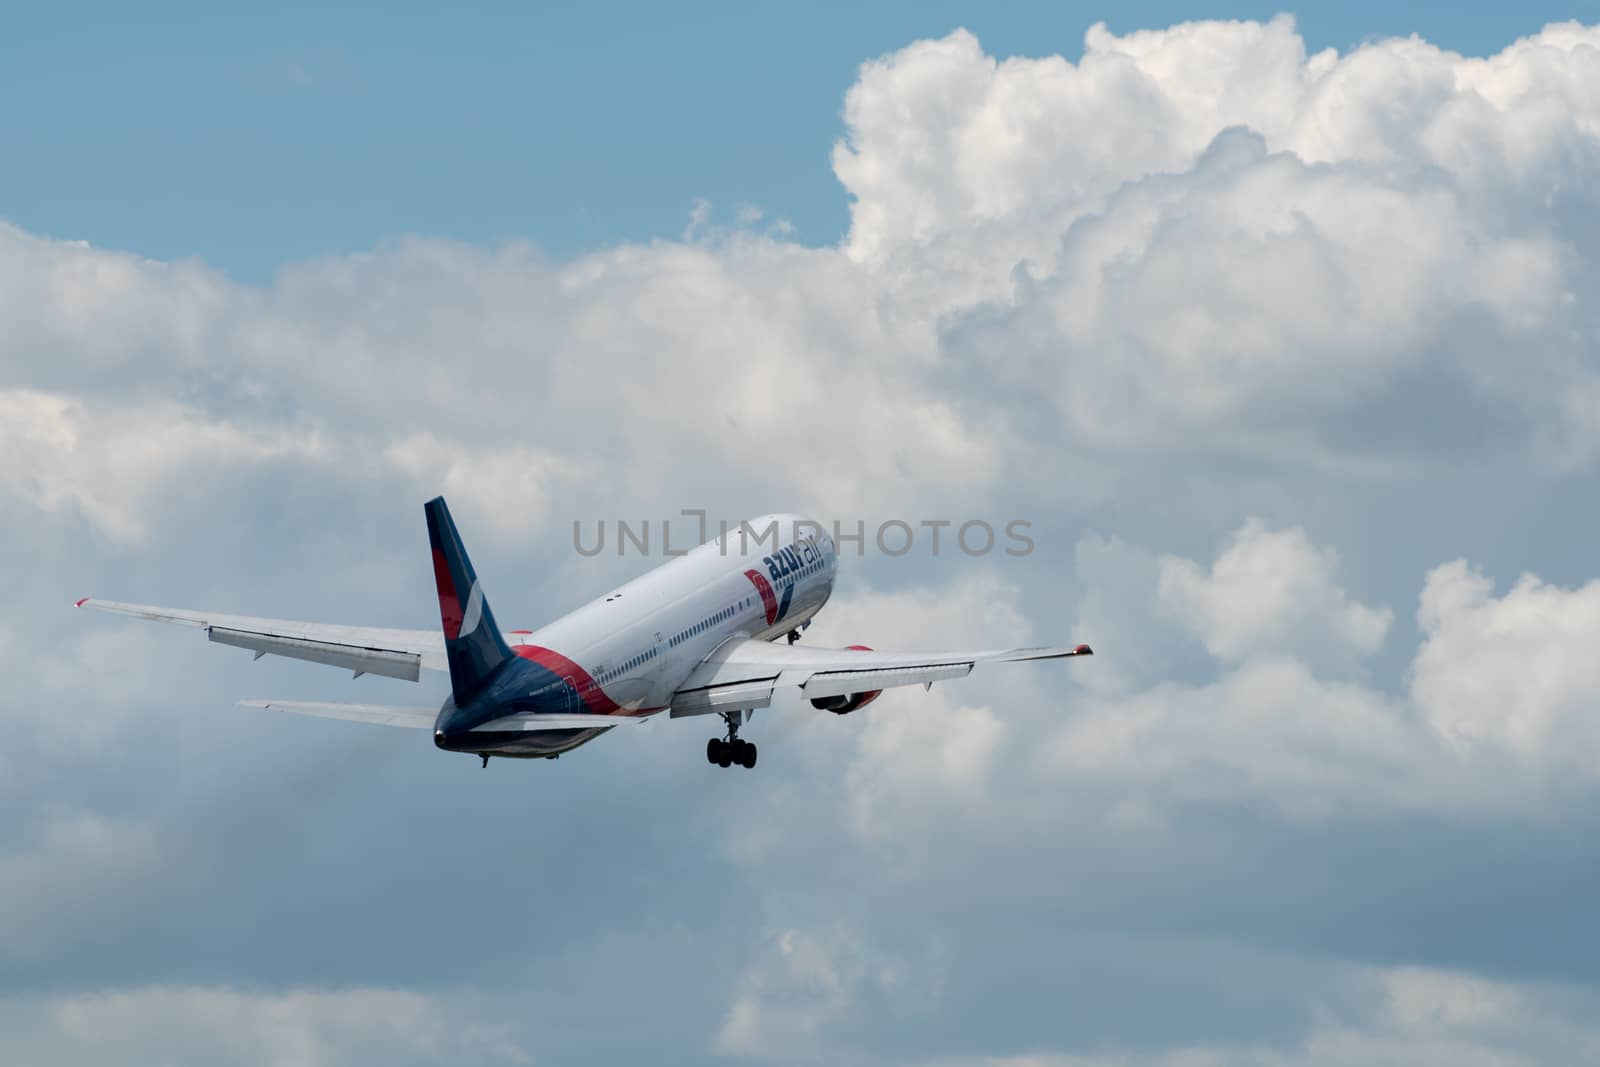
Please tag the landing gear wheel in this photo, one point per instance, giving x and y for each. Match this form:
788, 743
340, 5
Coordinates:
727, 752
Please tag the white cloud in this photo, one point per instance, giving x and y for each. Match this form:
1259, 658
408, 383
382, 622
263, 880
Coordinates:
67, 305
1130, 292
181, 1025
1201, 236
510, 486
798, 991
1515, 673
1268, 732
970, 612
1224, 245
1270, 592
803, 985
921, 757
1418, 1017
922, 765
111, 462
1494, 716
943, 140
1266, 257
443, 357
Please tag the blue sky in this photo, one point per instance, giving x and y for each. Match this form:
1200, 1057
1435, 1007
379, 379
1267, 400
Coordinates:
1288, 359
255, 140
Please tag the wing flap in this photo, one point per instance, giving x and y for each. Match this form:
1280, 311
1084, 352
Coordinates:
755, 693
370, 650
377, 714
843, 683
403, 665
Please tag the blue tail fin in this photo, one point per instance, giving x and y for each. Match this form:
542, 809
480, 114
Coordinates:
472, 640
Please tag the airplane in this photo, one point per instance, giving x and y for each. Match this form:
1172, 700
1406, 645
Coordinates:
695, 636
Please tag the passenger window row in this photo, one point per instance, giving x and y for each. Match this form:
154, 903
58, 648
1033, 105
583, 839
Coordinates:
709, 621
637, 661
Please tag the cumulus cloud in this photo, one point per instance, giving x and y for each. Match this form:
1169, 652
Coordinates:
486, 478
1283, 717
752, 349
922, 765
922, 758
806, 983
110, 462
1270, 592
1196, 276
1258, 299
1198, 240
1514, 673
1203, 235
1495, 697
943, 140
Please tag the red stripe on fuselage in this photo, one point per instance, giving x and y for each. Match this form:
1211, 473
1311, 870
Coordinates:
769, 599
594, 698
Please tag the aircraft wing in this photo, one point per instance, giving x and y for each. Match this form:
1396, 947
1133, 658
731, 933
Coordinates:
746, 674
364, 650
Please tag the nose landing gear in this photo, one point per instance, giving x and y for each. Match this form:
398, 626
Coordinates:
725, 753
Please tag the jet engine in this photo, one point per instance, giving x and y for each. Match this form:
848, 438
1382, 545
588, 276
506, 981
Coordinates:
845, 703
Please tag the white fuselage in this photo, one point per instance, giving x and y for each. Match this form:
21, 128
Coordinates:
632, 649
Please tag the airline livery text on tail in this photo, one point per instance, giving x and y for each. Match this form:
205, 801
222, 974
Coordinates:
695, 636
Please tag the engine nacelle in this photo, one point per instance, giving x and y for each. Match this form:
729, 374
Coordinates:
845, 703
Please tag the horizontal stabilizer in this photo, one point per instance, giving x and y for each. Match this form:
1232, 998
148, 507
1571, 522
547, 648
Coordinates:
536, 721
378, 714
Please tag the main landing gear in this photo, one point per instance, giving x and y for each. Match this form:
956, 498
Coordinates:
725, 753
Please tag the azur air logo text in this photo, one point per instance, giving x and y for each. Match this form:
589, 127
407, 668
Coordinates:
782, 568
791, 559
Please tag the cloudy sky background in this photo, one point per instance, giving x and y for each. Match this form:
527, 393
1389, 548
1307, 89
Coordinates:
1281, 340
